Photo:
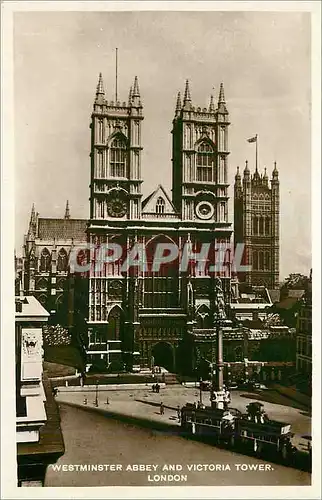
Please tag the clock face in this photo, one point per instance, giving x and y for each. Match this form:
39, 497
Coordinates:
116, 207
204, 210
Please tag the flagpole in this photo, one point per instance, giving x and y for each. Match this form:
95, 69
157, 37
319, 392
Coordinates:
116, 76
256, 153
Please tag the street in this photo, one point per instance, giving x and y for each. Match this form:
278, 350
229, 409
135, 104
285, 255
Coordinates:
95, 439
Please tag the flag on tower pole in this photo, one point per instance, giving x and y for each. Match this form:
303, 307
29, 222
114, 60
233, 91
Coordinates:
254, 139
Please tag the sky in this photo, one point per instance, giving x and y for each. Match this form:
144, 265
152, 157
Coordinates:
263, 59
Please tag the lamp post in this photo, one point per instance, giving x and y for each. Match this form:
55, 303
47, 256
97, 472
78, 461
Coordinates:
218, 395
96, 394
200, 390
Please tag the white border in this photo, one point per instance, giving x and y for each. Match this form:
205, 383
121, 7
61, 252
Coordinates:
8, 450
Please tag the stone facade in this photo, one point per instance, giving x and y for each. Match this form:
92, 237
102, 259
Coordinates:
256, 224
145, 315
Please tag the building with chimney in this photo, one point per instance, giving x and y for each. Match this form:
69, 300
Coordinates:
256, 225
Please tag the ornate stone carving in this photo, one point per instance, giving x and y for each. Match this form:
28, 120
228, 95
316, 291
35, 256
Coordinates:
220, 312
32, 344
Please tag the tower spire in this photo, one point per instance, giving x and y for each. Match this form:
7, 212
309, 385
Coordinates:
33, 215
178, 105
135, 99
221, 100
130, 96
187, 96
275, 172
136, 91
32, 222
100, 86
67, 213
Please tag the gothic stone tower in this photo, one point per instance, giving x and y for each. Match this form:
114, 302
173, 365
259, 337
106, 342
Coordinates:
200, 196
115, 199
200, 151
256, 221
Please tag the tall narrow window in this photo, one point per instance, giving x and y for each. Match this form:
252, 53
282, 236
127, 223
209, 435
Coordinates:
255, 225
118, 157
267, 261
205, 162
100, 165
62, 260
261, 226
267, 226
45, 260
160, 206
255, 260
261, 261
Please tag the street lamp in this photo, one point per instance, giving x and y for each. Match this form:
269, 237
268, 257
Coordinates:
96, 394
200, 390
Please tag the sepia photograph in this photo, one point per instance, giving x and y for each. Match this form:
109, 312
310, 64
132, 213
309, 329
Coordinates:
158, 271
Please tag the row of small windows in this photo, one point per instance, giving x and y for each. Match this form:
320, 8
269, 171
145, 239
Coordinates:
261, 260
160, 206
261, 226
46, 258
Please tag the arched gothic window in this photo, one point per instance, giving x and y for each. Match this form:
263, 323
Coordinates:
267, 226
261, 226
160, 205
62, 260
114, 324
45, 260
260, 261
205, 162
118, 157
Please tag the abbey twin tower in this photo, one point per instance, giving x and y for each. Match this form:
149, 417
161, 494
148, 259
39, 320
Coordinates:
167, 315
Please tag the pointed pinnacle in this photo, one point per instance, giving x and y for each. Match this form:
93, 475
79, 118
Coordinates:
187, 96
130, 96
67, 213
178, 105
221, 98
211, 105
33, 214
237, 173
275, 171
136, 91
100, 86
246, 166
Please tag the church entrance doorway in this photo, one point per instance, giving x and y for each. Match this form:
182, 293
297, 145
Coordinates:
163, 355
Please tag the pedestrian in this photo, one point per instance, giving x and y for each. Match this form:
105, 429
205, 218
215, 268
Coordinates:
153, 388
107, 401
161, 409
85, 401
157, 388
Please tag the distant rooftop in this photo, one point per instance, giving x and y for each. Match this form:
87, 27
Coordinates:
62, 229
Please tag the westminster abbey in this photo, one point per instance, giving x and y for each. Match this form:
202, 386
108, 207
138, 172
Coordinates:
142, 316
